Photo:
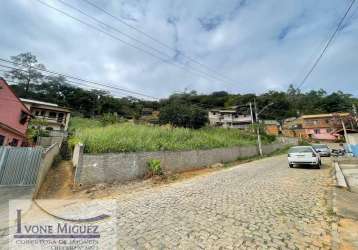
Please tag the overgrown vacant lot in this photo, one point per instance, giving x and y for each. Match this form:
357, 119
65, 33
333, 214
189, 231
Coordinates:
128, 137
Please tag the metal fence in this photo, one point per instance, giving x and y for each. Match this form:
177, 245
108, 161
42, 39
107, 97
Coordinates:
19, 166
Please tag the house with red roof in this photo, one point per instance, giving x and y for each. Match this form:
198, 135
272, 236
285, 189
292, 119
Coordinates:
14, 117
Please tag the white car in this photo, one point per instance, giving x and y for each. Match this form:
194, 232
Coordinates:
303, 155
322, 149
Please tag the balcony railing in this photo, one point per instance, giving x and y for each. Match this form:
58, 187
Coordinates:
51, 119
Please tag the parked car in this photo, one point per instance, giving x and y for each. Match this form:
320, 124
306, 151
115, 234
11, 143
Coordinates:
322, 149
338, 152
303, 155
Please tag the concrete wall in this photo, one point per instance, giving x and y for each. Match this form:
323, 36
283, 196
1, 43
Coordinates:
46, 163
77, 155
353, 139
289, 140
123, 167
48, 141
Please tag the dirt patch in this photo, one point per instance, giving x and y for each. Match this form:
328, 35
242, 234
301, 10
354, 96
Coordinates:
117, 189
58, 183
348, 234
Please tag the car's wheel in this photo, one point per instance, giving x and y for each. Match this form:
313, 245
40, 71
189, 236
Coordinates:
320, 163
290, 165
318, 166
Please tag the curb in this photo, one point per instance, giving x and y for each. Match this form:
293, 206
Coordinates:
340, 179
334, 229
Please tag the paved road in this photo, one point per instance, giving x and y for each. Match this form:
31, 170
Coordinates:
258, 205
7, 194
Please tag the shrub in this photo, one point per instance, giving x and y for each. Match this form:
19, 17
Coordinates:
303, 142
109, 118
154, 167
269, 138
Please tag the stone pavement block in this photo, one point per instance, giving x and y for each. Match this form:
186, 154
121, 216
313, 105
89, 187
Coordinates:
261, 204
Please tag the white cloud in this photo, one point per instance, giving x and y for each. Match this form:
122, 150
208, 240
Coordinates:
259, 44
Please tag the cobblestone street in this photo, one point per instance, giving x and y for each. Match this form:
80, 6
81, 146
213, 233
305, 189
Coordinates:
257, 205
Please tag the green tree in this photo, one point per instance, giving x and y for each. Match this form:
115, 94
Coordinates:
182, 114
337, 102
25, 73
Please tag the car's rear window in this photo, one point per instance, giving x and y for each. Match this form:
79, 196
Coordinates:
300, 150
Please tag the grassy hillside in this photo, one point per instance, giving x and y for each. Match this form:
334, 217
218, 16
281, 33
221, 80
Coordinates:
127, 137
79, 123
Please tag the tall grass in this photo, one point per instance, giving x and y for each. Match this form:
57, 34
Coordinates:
127, 137
80, 123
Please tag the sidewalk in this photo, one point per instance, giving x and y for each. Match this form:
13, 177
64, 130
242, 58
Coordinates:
346, 204
8, 193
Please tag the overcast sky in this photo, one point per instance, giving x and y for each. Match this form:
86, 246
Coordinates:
246, 45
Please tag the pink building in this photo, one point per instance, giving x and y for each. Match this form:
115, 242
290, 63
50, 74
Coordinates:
14, 117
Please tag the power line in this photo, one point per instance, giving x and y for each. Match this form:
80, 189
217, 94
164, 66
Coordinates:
155, 40
318, 59
73, 83
82, 80
131, 37
127, 43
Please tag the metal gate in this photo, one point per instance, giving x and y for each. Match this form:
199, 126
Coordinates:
19, 166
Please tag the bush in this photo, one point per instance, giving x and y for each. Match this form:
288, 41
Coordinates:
154, 167
109, 119
33, 134
269, 138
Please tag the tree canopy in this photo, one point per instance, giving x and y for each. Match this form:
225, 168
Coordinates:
188, 109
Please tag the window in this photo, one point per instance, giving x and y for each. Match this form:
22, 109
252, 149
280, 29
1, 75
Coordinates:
14, 142
2, 140
42, 113
49, 128
23, 117
317, 131
60, 117
52, 115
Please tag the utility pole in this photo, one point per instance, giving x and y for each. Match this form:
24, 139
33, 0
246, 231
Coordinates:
257, 113
252, 115
258, 128
346, 135
355, 114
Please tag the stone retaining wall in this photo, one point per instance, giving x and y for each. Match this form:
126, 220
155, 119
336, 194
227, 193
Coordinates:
122, 167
